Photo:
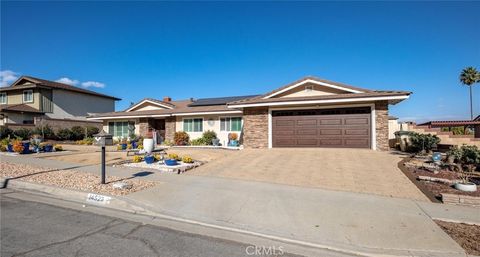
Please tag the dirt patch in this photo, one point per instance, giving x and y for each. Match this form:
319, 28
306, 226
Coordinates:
89, 158
467, 236
70, 179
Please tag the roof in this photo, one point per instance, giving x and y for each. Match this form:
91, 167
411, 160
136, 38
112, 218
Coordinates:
219, 100
54, 85
169, 105
18, 108
371, 94
318, 80
452, 123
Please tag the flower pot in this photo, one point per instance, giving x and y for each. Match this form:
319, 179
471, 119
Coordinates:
148, 145
149, 159
171, 162
216, 142
466, 187
134, 145
48, 148
10, 148
124, 146
233, 143
26, 147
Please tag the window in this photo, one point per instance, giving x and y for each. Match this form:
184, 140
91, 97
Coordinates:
3, 98
231, 124
28, 96
193, 125
118, 129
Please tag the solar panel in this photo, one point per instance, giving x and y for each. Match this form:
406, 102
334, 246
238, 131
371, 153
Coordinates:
219, 100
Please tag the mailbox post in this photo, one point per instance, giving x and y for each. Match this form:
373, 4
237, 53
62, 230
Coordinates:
102, 139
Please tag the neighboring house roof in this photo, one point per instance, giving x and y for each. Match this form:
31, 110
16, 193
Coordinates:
450, 123
392, 118
477, 118
18, 108
52, 84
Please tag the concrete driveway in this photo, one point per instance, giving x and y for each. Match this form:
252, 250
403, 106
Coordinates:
353, 170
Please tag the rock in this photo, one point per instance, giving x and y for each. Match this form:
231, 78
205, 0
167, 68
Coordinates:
122, 185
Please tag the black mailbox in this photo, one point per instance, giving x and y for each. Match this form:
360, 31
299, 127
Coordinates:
103, 139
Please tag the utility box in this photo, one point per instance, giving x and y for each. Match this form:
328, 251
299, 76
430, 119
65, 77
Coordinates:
102, 139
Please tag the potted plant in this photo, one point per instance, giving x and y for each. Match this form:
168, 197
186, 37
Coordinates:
26, 147
149, 159
124, 143
468, 162
172, 159
148, 143
233, 139
46, 147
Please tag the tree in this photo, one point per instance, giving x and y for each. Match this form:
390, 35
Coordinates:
468, 77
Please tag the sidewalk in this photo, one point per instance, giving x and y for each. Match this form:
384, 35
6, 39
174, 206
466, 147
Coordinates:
351, 222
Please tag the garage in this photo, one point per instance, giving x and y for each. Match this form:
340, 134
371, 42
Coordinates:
336, 128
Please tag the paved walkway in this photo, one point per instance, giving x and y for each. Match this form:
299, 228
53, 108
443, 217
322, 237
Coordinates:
352, 170
361, 223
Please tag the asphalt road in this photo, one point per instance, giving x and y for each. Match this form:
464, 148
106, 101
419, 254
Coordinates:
37, 229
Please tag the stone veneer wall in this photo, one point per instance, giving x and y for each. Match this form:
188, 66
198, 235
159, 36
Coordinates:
143, 126
255, 128
381, 119
170, 128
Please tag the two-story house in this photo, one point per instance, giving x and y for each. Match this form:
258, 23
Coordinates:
30, 98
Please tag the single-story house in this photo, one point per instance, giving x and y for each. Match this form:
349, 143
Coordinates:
310, 112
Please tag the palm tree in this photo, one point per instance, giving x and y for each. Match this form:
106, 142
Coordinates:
468, 77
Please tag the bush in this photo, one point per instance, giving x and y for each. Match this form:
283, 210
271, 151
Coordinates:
18, 146
77, 132
85, 141
187, 159
468, 161
5, 132
199, 141
208, 136
58, 148
174, 156
181, 138
22, 133
64, 134
423, 142
45, 131
137, 159
91, 130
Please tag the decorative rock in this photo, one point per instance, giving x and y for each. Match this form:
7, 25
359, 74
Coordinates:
122, 185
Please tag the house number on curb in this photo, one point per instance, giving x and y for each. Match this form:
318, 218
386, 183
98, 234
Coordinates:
98, 199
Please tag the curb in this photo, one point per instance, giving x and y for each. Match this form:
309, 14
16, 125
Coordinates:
123, 204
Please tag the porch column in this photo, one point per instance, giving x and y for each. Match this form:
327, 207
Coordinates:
476, 131
170, 128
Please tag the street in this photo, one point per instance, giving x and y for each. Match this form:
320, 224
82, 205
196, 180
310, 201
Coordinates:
38, 229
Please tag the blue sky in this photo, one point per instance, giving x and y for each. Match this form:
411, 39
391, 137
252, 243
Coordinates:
134, 50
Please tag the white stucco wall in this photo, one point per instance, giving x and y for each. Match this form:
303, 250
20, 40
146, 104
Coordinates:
210, 122
67, 104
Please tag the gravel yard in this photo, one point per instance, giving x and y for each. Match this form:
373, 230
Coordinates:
70, 179
465, 235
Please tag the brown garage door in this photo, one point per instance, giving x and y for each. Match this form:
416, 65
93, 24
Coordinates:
346, 127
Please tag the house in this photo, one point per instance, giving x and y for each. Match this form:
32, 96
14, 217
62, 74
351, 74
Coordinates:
310, 112
29, 99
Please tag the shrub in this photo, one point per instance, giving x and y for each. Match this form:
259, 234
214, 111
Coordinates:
187, 159
173, 156
199, 141
91, 130
167, 143
455, 152
17, 146
208, 136
423, 142
181, 138
77, 132
85, 141
468, 162
45, 131
22, 133
5, 132
64, 134
58, 148
3, 148
137, 159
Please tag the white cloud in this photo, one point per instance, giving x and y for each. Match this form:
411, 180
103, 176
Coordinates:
65, 80
7, 77
93, 84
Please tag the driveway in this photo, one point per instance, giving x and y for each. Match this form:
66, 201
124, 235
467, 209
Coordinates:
353, 170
